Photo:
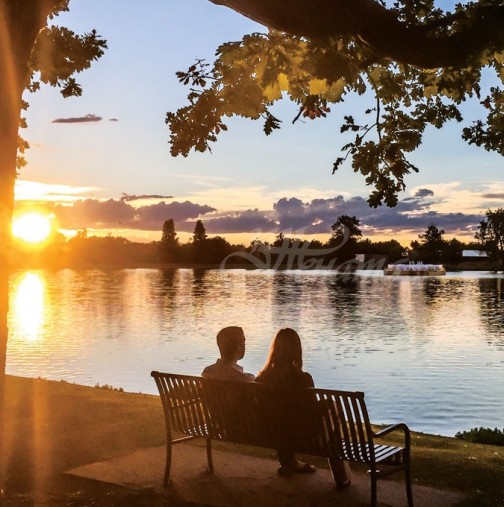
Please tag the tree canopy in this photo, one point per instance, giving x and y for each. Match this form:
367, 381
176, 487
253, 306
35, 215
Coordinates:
418, 62
491, 235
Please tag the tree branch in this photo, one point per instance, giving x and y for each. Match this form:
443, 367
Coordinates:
426, 45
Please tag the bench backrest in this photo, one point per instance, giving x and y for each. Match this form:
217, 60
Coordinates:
315, 421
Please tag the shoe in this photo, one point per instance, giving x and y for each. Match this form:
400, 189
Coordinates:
298, 468
285, 471
341, 486
304, 468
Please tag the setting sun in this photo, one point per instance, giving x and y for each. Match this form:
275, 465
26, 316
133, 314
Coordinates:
32, 227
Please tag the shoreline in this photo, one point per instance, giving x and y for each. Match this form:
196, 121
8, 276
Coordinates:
247, 266
154, 395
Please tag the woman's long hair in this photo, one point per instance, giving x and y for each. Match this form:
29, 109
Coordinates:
285, 350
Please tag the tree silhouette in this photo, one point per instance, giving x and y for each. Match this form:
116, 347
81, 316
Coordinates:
199, 241
344, 237
416, 62
169, 241
346, 227
199, 234
432, 237
491, 235
431, 246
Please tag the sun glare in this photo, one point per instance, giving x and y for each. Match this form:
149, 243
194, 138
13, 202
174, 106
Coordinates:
32, 227
29, 306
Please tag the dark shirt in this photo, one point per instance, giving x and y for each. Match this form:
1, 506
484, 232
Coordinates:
291, 413
286, 377
225, 417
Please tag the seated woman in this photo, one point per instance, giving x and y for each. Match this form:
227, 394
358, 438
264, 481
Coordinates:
284, 368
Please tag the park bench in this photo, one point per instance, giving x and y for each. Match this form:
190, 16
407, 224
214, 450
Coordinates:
240, 412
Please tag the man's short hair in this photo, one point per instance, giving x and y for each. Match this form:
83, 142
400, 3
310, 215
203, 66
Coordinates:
228, 340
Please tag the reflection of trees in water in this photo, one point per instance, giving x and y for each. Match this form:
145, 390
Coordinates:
199, 285
167, 288
343, 295
430, 289
288, 288
287, 297
442, 289
491, 303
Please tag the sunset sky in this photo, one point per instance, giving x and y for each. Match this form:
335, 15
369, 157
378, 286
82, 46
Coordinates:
102, 161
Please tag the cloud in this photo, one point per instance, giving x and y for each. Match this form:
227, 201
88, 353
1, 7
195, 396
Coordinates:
232, 198
493, 196
128, 197
79, 119
242, 221
93, 213
293, 216
290, 215
43, 192
152, 217
423, 192
318, 215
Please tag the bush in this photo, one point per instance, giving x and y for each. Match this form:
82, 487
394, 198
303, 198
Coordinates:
483, 436
110, 388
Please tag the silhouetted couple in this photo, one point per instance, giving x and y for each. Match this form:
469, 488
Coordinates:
283, 368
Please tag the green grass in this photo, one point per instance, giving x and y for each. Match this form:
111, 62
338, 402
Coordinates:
54, 426
51, 427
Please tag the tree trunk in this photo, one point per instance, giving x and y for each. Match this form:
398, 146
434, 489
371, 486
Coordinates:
20, 23
9, 120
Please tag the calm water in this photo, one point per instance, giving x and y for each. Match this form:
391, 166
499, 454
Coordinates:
426, 351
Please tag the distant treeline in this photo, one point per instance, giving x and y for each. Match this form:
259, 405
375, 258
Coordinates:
339, 250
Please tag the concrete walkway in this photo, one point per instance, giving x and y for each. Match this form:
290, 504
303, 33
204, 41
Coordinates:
245, 481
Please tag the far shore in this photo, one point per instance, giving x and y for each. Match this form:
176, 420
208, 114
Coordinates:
52, 426
249, 266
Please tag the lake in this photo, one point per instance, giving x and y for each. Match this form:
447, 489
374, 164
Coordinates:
428, 351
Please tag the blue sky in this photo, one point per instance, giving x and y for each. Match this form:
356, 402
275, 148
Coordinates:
250, 185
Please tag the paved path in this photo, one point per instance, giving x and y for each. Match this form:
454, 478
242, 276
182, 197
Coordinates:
245, 481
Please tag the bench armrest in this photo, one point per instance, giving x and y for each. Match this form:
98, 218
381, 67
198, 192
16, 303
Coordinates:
389, 429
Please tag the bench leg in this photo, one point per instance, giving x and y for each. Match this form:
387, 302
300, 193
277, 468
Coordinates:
209, 455
407, 478
374, 492
168, 463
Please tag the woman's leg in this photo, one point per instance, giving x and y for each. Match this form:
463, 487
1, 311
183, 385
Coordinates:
286, 458
290, 465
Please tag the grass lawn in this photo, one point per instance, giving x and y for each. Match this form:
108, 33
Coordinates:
51, 427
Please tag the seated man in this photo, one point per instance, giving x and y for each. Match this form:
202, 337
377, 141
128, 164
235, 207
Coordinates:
231, 343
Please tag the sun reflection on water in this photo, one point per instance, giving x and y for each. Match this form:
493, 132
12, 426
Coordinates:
28, 306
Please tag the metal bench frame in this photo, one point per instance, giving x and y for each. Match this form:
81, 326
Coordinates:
234, 412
